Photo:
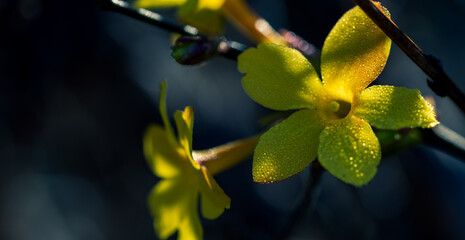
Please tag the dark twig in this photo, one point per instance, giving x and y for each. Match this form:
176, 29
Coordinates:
440, 81
147, 16
444, 139
310, 198
230, 49
216, 45
226, 48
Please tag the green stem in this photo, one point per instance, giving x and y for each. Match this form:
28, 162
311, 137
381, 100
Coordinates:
224, 157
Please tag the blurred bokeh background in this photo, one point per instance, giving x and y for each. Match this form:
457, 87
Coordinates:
78, 86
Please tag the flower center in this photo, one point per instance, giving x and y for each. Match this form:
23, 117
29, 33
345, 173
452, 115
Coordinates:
334, 106
338, 109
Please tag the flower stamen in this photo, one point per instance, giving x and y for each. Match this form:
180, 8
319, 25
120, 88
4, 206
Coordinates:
334, 106
337, 109
343, 109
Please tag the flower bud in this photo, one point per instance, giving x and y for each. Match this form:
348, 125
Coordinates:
190, 50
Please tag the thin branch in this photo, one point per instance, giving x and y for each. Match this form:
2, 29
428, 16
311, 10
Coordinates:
440, 82
147, 16
444, 139
310, 199
222, 46
217, 45
230, 49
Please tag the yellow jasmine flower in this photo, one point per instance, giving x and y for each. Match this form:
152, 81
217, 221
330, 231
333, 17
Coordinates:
174, 200
209, 16
334, 112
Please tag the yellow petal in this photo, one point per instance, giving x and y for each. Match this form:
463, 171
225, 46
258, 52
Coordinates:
389, 107
190, 227
184, 125
158, 3
213, 198
169, 201
203, 14
287, 148
350, 151
163, 158
354, 53
279, 77
164, 115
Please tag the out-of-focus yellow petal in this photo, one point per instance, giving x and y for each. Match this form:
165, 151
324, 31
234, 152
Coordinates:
350, 151
213, 198
190, 227
203, 14
184, 125
279, 77
169, 202
211, 4
164, 115
389, 107
287, 148
164, 160
255, 27
354, 53
158, 3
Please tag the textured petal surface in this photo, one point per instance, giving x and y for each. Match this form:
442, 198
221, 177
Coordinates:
161, 156
169, 201
350, 151
203, 14
389, 107
354, 53
158, 3
279, 77
213, 198
287, 148
184, 124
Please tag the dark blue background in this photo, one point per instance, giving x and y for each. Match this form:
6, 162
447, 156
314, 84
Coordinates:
78, 87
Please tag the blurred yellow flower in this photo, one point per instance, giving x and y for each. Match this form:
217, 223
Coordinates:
174, 200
